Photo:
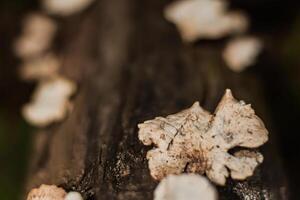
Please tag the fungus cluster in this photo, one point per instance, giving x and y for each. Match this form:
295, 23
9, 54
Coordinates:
212, 19
193, 140
207, 19
51, 99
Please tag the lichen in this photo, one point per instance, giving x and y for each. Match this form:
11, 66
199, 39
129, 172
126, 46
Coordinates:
196, 141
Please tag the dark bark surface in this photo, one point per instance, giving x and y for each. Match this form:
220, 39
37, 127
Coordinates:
131, 66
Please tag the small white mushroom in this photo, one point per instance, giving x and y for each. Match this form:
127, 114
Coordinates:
47, 192
205, 19
73, 196
242, 52
65, 7
50, 102
40, 68
185, 186
38, 32
196, 141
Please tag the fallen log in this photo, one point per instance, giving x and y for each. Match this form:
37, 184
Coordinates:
131, 65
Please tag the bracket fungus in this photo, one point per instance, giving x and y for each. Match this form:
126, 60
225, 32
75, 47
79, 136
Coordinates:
47, 192
65, 7
185, 186
196, 141
40, 68
38, 32
50, 102
207, 19
241, 52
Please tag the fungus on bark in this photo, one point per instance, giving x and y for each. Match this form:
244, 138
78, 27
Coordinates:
37, 34
47, 192
65, 7
40, 68
241, 52
50, 102
185, 186
207, 19
196, 141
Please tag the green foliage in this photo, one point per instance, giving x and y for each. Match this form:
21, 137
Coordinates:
291, 58
14, 148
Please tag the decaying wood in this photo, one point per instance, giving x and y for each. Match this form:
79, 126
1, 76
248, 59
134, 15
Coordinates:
131, 65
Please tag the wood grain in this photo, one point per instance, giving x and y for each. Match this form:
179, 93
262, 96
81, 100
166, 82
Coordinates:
131, 65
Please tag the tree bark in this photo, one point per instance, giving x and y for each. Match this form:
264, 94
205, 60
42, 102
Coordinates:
131, 65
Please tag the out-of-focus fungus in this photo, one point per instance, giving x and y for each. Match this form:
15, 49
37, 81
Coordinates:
205, 19
242, 52
65, 7
47, 192
50, 102
196, 141
40, 68
185, 186
37, 35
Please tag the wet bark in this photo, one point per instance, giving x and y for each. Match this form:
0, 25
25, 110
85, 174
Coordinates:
131, 65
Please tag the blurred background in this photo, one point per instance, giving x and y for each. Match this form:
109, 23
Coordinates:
277, 21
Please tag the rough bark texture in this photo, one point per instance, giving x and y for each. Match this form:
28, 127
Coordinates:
131, 66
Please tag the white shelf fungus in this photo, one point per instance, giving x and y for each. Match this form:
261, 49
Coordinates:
50, 102
242, 52
186, 186
207, 19
196, 141
47, 192
37, 35
73, 196
65, 7
40, 68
